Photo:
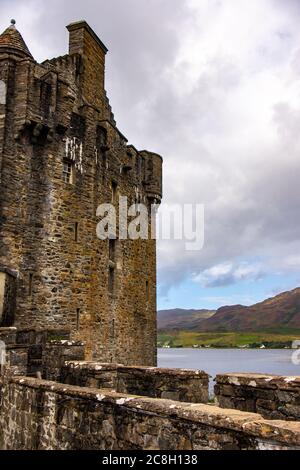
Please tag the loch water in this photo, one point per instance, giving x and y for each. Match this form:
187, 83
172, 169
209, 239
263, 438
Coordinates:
218, 361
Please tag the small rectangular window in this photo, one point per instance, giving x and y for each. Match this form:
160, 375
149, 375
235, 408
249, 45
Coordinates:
78, 126
111, 280
101, 140
114, 192
68, 171
147, 291
112, 250
76, 227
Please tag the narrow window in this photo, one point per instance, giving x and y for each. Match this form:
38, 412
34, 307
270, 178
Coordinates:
111, 280
78, 126
30, 284
78, 319
104, 162
102, 139
68, 172
112, 250
76, 226
147, 291
114, 192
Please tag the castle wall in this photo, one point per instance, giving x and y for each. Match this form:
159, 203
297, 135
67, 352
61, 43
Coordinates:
176, 384
273, 397
44, 415
8, 288
51, 355
30, 352
110, 406
55, 112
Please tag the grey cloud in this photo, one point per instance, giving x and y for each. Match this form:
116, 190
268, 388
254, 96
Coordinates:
208, 128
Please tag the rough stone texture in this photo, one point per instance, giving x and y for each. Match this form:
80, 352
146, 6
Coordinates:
176, 384
50, 113
8, 335
274, 397
56, 353
45, 415
32, 351
7, 297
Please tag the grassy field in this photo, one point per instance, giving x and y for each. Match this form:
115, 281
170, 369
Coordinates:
187, 339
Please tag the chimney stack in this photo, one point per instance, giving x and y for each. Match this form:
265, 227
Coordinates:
84, 41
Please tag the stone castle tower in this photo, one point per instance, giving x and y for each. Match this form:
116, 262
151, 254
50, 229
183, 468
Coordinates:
61, 156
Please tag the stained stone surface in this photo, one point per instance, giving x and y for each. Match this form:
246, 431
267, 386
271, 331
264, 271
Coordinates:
57, 272
274, 397
2, 92
46, 415
176, 384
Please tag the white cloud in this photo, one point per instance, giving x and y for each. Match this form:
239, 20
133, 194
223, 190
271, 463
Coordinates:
228, 273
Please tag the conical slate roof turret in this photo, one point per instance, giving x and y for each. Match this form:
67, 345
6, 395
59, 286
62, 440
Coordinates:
11, 41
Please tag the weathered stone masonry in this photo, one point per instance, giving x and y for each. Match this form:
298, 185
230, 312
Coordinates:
174, 384
37, 414
99, 406
274, 397
41, 352
61, 156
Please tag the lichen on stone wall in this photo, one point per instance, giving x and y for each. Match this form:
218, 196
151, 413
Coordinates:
2, 92
74, 152
274, 397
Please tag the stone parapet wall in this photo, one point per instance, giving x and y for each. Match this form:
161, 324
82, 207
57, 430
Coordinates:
56, 353
8, 335
33, 351
37, 414
175, 384
274, 397
32, 336
17, 359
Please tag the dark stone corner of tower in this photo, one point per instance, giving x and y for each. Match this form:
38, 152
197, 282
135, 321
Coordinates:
82, 25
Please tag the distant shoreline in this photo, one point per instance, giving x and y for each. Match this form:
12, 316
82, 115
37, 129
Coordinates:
276, 339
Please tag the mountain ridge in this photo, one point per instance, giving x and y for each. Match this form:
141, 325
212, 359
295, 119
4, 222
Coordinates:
280, 311
181, 318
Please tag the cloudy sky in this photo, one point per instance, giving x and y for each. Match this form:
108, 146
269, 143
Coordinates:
214, 87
